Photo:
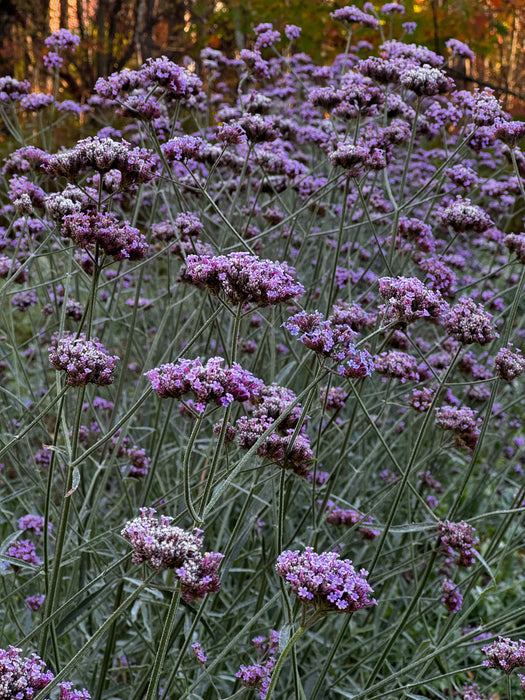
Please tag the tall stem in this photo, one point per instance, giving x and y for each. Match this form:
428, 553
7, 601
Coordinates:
163, 646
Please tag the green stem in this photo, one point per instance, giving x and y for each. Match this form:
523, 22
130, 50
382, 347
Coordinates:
187, 476
339, 245
163, 646
282, 658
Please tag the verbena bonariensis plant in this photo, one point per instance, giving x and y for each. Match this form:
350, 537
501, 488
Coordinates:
280, 304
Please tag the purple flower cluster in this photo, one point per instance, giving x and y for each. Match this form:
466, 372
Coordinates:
463, 422
469, 323
348, 517
136, 165
472, 692
278, 446
418, 233
35, 602
61, 40
12, 89
410, 299
243, 278
458, 48
23, 550
353, 15
505, 654
325, 581
332, 399
22, 677
421, 399
515, 242
461, 215
9, 267
165, 546
509, 364
84, 361
265, 407
199, 653
332, 339
32, 522
425, 80
451, 597
120, 240
257, 676
458, 538
208, 383
139, 462
396, 364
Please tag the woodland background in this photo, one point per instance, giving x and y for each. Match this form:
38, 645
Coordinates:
119, 33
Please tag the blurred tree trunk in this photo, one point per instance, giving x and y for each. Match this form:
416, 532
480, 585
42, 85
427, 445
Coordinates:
64, 14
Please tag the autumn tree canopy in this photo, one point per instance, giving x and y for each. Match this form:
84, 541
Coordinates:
119, 33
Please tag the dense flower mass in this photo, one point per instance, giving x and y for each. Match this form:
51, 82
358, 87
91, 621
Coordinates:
451, 597
458, 538
23, 550
120, 240
469, 323
243, 278
325, 581
165, 546
409, 299
353, 15
461, 215
333, 339
509, 364
136, 165
505, 654
462, 421
350, 230
208, 383
84, 361
21, 678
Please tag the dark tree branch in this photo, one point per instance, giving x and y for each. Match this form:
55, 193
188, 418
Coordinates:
500, 88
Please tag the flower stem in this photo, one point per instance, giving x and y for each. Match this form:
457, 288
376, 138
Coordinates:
163, 646
282, 658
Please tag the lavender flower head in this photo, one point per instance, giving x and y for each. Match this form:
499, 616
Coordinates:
451, 598
425, 80
35, 602
62, 39
21, 678
84, 361
458, 538
243, 278
410, 299
23, 550
461, 215
33, 522
463, 422
199, 653
165, 546
505, 655
208, 383
136, 165
458, 48
120, 240
257, 676
333, 338
353, 15
469, 323
509, 364
325, 581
